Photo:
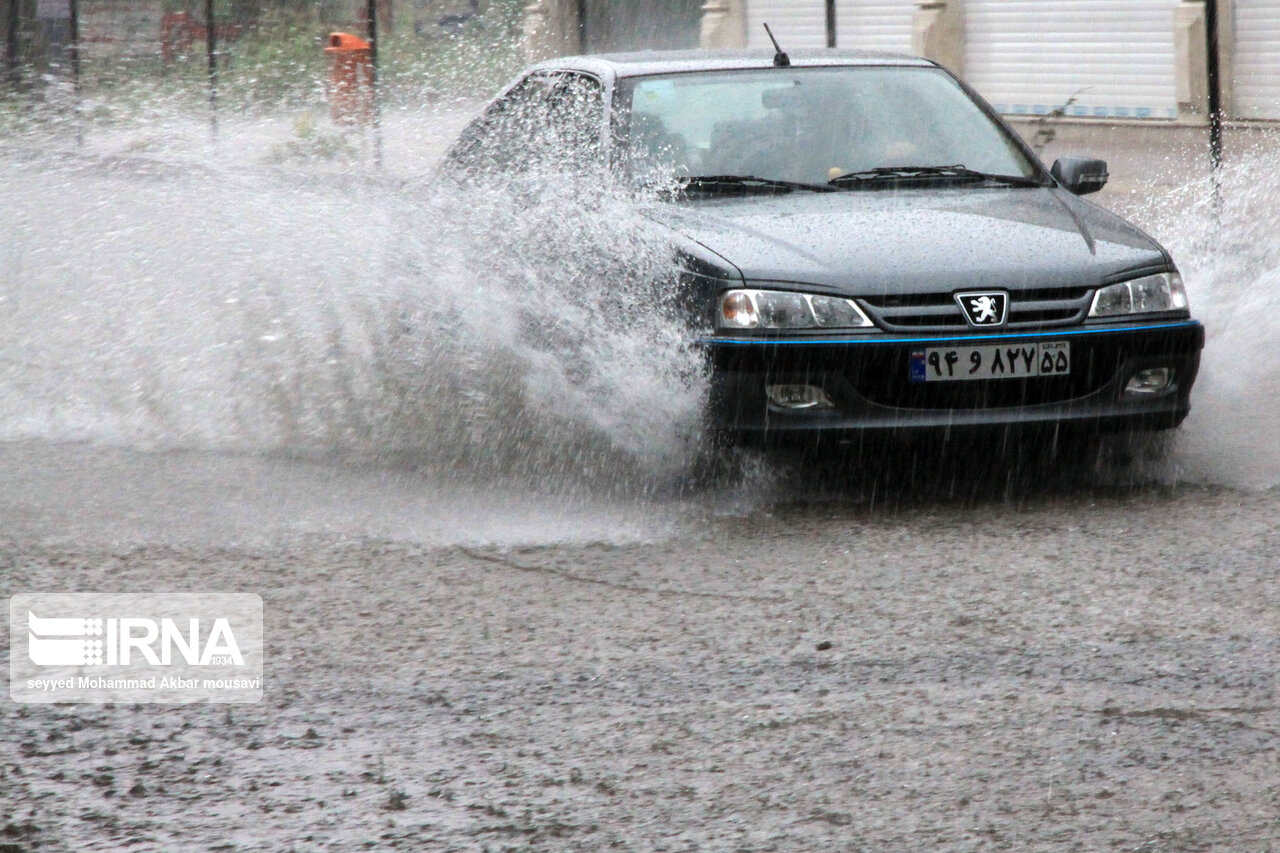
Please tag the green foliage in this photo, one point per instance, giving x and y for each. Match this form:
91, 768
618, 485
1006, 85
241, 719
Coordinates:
312, 143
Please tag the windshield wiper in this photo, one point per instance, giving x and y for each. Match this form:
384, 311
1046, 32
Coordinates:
926, 174
745, 183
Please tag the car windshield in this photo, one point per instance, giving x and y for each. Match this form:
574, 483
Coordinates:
809, 125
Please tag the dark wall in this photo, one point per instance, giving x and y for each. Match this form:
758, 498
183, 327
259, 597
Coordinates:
18, 32
618, 25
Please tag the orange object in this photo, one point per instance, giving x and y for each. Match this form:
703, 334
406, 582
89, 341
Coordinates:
350, 79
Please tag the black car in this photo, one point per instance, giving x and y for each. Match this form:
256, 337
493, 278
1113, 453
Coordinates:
863, 244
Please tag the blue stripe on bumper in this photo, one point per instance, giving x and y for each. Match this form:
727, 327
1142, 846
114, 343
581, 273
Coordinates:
886, 339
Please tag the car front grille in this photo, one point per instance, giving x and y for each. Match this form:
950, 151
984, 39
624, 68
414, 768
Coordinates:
938, 312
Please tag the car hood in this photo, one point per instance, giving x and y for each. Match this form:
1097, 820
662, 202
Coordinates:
872, 241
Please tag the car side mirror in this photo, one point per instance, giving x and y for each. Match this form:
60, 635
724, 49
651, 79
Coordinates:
1080, 175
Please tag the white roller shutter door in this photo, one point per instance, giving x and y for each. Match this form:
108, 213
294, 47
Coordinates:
1257, 59
1032, 56
875, 24
868, 24
795, 24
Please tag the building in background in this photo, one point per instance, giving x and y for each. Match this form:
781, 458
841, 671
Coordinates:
1115, 60
558, 27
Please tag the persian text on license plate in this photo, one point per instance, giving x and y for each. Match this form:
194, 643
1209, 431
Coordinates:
995, 361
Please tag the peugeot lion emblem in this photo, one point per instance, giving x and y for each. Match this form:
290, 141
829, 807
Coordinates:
989, 308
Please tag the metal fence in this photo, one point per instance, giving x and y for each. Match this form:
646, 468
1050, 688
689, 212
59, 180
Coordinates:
263, 53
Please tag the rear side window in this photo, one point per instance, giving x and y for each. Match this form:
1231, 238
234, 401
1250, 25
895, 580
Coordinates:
546, 121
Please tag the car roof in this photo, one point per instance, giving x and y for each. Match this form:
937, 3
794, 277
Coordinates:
642, 63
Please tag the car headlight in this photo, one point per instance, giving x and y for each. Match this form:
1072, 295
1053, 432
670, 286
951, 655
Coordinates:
781, 309
1162, 292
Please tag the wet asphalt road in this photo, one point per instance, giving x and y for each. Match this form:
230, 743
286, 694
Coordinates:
1044, 661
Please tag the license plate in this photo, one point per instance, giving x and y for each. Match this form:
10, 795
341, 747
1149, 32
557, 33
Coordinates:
996, 361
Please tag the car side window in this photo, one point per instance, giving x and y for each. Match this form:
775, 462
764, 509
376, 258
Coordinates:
548, 120
576, 116
493, 141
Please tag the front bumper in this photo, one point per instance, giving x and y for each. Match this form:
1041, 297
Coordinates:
866, 378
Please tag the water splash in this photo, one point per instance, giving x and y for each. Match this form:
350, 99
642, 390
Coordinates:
150, 301
158, 294
1229, 255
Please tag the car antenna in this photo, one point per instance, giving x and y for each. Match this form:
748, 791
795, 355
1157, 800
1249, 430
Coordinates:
780, 59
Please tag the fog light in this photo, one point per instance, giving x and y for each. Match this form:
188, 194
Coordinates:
798, 397
1154, 380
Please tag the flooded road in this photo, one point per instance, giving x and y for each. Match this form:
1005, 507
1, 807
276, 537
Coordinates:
510, 606
1095, 669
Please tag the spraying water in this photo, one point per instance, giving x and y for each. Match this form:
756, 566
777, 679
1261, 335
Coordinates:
1229, 254
256, 299
242, 307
